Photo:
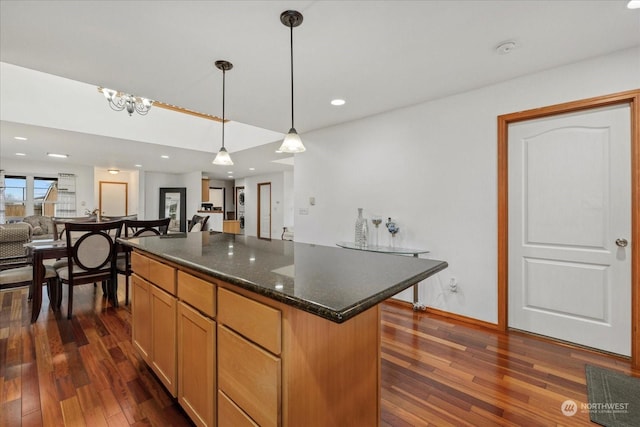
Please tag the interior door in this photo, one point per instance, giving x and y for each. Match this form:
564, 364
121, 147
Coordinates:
113, 198
569, 221
264, 210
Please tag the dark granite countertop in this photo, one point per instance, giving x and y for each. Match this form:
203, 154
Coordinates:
331, 282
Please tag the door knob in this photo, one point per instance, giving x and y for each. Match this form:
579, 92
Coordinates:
622, 243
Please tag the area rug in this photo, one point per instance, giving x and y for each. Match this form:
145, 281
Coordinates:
614, 398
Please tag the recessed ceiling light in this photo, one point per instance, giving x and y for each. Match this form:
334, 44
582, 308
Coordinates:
138, 166
114, 171
230, 172
164, 156
20, 154
633, 4
20, 138
59, 156
252, 169
338, 102
506, 47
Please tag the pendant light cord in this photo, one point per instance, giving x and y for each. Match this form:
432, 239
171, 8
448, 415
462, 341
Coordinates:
223, 86
291, 28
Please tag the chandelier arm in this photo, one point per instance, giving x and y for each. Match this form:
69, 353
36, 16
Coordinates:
118, 104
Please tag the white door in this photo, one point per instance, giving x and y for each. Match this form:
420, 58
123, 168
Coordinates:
264, 210
569, 201
113, 198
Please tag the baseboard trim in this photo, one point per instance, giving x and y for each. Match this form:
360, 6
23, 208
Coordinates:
446, 314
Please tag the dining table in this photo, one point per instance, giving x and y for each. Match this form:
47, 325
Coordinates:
40, 250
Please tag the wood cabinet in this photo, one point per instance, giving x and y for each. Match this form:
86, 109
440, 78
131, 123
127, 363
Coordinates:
154, 314
231, 226
196, 365
230, 414
238, 358
249, 369
205, 190
141, 319
163, 338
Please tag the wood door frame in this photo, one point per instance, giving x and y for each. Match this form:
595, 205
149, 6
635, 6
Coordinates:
126, 194
260, 184
632, 98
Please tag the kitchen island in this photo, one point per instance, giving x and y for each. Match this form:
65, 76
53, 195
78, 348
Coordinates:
245, 331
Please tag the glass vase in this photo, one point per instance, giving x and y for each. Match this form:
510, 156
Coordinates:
361, 230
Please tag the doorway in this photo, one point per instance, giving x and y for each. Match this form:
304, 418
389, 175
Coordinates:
505, 207
264, 210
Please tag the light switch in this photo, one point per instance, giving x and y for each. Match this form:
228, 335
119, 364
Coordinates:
312, 201
303, 211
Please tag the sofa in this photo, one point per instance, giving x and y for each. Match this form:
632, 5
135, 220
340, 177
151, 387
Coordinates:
42, 226
12, 240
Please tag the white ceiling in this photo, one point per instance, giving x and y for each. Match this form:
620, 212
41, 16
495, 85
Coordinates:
377, 55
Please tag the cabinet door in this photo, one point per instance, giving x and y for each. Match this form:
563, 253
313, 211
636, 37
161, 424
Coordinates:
163, 338
141, 317
196, 365
205, 190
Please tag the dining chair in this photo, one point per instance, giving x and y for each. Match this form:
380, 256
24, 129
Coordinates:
198, 223
60, 222
91, 257
15, 273
137, 228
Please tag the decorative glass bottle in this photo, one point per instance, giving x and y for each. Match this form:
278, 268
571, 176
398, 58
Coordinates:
362, 230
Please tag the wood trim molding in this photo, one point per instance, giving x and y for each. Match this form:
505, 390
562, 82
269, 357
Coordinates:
632, 98
187, 111
445, 314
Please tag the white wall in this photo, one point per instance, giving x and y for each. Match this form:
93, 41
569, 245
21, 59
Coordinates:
251, 203
228, 193
288, 196
432, 167
50, 169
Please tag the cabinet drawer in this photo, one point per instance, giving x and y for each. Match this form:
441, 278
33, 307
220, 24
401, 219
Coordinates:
162, 276
250, 376
258, 322
230, 415
140, 265
197, 293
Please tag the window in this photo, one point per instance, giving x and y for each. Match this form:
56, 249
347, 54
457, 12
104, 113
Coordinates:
15, 196
45, 195
25, 195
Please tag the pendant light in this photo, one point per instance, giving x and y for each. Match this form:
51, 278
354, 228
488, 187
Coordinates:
223, 158
292, 142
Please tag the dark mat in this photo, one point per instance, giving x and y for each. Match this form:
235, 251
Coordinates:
614, 398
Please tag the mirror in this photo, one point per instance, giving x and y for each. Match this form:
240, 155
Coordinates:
173, 204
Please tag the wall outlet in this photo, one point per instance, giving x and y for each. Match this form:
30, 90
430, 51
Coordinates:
453, 285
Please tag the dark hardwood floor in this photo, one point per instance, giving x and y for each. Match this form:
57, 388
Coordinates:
435, 372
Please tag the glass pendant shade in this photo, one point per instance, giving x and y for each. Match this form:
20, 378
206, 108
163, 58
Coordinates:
292, 143
223, 158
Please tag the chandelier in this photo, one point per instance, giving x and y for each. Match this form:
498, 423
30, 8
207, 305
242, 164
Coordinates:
119, 101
